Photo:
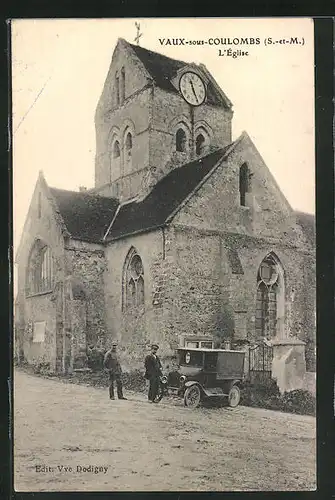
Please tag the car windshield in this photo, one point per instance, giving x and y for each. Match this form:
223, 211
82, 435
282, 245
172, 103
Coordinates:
191, 358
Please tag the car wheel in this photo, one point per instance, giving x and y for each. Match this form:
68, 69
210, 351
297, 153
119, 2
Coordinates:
234, 396
192, 396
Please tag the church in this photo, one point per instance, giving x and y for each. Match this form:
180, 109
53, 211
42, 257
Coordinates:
186, 235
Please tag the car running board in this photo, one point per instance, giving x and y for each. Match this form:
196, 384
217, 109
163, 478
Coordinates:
216, 391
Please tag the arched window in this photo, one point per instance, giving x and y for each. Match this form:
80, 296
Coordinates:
116, 150
115, 161
133, 281
40, 269
123, 86
244, 183
180, 140
200, 144
128, 146
269, 299
117, 89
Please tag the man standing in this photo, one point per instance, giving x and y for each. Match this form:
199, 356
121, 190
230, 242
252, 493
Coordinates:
153, 370
112, 364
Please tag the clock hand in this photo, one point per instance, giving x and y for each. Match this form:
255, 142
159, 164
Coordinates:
192, 86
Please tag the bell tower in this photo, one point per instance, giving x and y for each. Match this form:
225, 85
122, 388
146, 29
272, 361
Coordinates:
154, 114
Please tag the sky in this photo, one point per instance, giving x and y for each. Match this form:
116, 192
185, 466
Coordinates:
59, 68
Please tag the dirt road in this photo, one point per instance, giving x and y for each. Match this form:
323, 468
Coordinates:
85, 442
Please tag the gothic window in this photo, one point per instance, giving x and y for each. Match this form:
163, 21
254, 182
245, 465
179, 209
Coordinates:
115, 161
128, 152
116, 150
268, 294
133, 281
244, 183
123, 86
129, 144
40, 269
117, 90
180, 140
200, 145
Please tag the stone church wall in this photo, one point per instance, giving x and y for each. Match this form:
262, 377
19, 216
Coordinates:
267, 224
135, 114
216, 205
81, 260
135, 78
40, 307
135, 329
191, 287
168, 110
86, 264
299, 272
196, 293
208, 296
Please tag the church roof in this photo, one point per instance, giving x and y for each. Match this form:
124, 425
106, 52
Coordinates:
162, 69
165, 197
85, 216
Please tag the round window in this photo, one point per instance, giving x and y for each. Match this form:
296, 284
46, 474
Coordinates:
187, 358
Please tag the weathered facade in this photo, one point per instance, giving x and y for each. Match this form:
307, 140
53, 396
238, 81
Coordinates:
185, 233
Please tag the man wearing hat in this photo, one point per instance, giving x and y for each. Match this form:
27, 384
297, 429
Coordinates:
153, 370
112, 364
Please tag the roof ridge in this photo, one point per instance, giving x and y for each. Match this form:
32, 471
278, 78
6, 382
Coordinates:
162, 69
165, 197
196, 160
85, 193
158, 53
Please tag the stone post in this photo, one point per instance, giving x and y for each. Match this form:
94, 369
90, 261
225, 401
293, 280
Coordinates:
289, 364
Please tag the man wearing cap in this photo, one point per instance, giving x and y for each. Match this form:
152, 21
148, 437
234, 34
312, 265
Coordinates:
153, 370
112, 364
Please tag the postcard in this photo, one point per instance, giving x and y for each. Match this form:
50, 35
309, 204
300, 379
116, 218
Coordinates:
164, 241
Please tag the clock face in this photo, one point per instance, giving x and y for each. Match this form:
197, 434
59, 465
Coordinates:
192, 88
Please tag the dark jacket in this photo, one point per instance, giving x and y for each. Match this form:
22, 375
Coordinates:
111, 363
153, 366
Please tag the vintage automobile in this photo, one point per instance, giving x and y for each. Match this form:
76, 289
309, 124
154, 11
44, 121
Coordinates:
207, 373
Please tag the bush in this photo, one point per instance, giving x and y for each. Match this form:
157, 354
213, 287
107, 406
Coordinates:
300, 401
134, 381
42, 367
268, 396
96, 379
95, 359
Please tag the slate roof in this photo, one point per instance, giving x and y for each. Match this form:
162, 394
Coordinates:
86, 216
307, 222
162, 69
164, 198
